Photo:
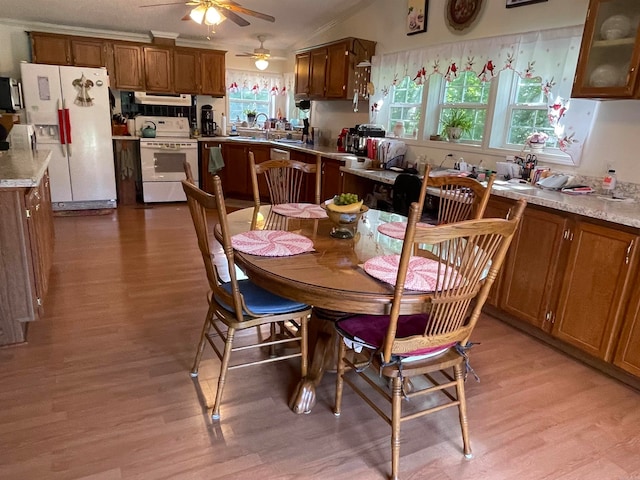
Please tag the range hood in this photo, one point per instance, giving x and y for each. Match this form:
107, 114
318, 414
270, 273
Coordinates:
177, 100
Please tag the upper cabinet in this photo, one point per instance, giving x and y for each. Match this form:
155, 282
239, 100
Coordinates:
330, 71
610, 52
137, 66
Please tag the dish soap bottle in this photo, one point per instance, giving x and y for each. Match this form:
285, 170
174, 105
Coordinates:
609, 182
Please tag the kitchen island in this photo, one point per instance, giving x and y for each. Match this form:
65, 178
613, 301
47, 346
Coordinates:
26, 240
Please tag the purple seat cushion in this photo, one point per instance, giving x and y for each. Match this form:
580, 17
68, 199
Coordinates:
371, 330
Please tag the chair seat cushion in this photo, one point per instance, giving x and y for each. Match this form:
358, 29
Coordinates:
370, 331
262, 302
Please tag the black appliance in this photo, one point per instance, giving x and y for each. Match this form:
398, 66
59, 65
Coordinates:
206, 120
10, 95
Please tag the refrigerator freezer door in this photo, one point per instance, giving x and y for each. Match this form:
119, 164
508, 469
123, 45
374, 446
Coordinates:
41, 92
86, 94
59, 174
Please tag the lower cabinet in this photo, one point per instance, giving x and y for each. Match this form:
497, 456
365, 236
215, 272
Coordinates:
332, 178
572, 278
497, 208
26, 253
206, 178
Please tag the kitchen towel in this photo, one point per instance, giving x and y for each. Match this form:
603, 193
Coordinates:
216, 162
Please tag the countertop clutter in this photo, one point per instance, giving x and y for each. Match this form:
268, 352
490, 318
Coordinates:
23, 168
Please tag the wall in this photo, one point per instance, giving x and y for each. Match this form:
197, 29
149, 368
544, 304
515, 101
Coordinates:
616, 125
15, 48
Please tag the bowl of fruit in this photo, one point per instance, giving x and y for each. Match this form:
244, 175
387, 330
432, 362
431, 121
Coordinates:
344, 211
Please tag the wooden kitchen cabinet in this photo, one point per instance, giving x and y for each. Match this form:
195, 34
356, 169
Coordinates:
158, 69
89, 53
610, 52
212, 73
627, 354
26, 252
595, 287
329, 71
236, 183
128, 67
303, 67
186, 70
260, 154
531, 267
206, 179
498, 208
332, 178
50, 49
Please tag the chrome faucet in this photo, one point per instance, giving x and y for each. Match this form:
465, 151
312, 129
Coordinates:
266, 119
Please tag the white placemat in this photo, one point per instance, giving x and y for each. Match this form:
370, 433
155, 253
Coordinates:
397, 229
422, 273
271, 243
300, 210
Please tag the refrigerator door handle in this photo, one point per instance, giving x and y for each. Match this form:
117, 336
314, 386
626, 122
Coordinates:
61, 130
67, 128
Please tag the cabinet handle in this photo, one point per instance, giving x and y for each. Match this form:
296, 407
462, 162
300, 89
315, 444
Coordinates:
570, 236
547, 316
626, 258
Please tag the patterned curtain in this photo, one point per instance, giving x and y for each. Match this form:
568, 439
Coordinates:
550, 55
257, 82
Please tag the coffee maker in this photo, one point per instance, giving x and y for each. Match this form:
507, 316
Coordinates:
206, 120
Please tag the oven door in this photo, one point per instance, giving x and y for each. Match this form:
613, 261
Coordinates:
163, 162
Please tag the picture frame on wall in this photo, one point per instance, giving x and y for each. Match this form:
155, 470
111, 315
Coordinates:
520, 3
417, 16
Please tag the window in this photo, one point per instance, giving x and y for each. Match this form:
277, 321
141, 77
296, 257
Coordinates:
528, 112
244, 100
405, 107
467, 92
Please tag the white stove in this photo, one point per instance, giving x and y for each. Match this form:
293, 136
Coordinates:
162, 158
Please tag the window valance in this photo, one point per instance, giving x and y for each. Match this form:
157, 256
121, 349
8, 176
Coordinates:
550, 55
258, 82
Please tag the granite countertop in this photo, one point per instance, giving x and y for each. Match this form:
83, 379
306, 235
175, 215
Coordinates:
625, 212
23, 168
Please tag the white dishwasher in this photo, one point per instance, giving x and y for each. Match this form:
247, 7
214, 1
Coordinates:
277, 154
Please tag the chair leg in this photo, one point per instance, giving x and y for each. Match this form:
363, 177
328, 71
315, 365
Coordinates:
396, 411
462, 409
200, 349
342, 351
304, 346
224, 367
272, 337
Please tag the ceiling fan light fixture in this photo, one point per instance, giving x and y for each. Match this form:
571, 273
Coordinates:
364, 63
261, 64
198, 13
212, 17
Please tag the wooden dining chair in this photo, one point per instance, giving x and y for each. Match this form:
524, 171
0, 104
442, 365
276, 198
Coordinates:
187, 171
236, 305
285, 179
429, 348
459, 198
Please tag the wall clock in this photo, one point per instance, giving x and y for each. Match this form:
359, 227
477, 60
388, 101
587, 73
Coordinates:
462, 13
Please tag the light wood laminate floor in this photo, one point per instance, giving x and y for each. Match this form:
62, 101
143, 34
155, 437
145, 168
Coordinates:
102, 389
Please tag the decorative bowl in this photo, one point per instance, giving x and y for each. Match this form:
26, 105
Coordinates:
345, 223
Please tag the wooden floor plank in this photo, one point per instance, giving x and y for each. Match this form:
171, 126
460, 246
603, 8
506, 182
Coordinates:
102, 390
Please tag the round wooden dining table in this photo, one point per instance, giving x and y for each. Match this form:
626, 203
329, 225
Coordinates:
330, 278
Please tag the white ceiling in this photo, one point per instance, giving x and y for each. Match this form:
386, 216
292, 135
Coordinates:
296, 20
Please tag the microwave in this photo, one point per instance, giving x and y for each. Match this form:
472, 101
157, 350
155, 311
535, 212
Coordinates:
10, 95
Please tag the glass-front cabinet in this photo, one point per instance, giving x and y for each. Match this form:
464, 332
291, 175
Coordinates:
610, 52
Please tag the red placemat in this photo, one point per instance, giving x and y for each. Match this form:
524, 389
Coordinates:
397, 229
300, 210
271, 243
422, 274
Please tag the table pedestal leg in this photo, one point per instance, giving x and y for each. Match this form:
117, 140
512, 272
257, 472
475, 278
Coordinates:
322, 352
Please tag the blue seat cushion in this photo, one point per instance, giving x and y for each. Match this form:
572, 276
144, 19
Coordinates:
370, 330
260, 301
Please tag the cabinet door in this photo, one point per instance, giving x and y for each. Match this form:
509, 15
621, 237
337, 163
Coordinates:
628, 348
594, 285
337, 70
331, 178
317, 75
186, 71
212, 73
38, 221
236, 163
206, 179
303, 66
308, 189
610, 51
50, 49
531, 267
88, 53
498, 208
261, 154
158, 71
128, 67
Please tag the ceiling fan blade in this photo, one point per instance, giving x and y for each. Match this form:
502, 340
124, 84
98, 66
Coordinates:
244, 54
161, 4
237, 19
186, 17
237, 8
277, 58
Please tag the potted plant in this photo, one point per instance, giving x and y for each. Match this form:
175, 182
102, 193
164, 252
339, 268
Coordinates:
251, 116
455, 123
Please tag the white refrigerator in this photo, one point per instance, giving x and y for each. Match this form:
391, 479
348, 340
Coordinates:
69, 108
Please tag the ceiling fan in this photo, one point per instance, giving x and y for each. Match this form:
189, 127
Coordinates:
261, 55
212, 12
